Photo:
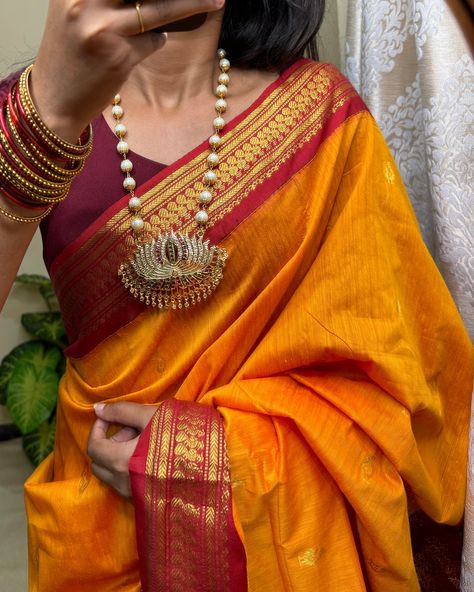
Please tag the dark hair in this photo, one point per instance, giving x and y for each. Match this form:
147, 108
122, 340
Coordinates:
270, 34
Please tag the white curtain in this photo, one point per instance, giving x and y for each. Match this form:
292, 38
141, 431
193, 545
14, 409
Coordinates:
410, 60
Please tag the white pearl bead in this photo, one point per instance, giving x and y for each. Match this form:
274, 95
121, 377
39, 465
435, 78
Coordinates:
218, 123
213, 159
134, 203
126, 166
117, 112
221, 53
137, 224
202, 217
221, 105
224, 78
117, 99
224, 65
120, 130
221, 91
210, 177
205, 197
215, 140
129, 183
122, 147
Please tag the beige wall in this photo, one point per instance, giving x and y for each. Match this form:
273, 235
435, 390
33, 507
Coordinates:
19, 38
20, 33
21, 27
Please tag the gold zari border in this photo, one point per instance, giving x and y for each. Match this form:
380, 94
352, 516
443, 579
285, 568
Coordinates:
187, 500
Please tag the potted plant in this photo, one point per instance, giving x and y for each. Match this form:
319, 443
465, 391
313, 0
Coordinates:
30, 373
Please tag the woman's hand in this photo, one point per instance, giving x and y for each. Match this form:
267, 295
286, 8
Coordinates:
89, 48
111, 456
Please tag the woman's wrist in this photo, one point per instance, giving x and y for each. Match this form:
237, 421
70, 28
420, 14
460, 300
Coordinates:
68, 127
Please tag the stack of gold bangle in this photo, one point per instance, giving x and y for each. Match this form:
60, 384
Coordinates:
37, 167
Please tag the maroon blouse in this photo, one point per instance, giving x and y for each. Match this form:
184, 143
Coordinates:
93, 191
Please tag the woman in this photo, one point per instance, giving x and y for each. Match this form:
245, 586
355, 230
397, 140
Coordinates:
281, 396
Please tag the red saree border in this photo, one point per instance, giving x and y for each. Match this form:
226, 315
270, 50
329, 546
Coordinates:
181, 485
265, 147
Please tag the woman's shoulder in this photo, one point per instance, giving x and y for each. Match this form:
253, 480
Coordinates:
315, 69
319, 77
317, 82
320, 91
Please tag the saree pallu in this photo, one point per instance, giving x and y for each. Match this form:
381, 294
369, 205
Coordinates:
331, 359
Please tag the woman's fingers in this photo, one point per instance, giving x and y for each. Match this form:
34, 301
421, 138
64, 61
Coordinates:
109, 453
125, 435
114, 453
99, 430
133, 415
111, 456
158, 13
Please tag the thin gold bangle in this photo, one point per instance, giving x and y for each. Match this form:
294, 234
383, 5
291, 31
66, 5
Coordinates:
51, 145
24, 220
22, 168
30, 189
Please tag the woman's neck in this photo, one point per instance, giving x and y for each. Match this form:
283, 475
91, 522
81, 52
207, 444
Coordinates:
169, 98
184, 69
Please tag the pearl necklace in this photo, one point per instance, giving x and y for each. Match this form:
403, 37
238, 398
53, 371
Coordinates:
175, 270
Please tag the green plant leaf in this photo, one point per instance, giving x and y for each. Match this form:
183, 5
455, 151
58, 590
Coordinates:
38, 444
33, 279
47, 326
7, 366
33, 386
48, 294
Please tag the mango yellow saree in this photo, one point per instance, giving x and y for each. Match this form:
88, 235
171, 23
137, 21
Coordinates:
318, 397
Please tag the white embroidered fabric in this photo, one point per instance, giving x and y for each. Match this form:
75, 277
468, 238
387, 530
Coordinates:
410, 61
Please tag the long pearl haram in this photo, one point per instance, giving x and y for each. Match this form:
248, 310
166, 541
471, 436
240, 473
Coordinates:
173, 270
210, 176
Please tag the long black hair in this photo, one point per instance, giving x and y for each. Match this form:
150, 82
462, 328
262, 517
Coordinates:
270, 34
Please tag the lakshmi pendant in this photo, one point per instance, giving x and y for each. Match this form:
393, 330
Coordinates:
174, 271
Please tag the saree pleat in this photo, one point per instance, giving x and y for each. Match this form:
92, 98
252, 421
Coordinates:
338, 363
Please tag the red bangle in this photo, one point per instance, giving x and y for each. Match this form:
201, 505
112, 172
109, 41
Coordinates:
6, 130
33, 143
32, 170
32, 146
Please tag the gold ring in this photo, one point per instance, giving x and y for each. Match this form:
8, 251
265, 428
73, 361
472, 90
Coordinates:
140, 20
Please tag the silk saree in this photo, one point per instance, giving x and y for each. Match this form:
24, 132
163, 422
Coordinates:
315, 400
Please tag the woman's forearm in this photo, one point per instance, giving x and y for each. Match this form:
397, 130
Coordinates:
15, 237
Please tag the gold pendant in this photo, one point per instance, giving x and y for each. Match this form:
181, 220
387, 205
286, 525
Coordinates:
174, 271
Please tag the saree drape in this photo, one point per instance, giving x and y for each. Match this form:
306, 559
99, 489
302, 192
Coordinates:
417, 78
332, 352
